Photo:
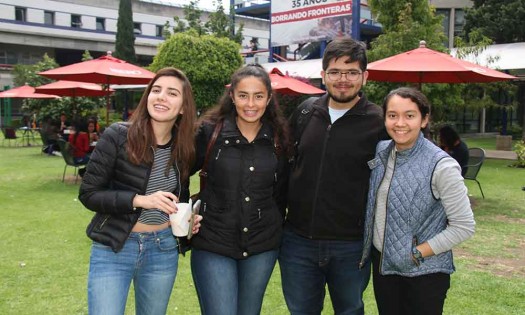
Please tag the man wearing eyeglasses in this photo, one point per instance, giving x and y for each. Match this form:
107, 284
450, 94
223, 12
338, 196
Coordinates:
323, 237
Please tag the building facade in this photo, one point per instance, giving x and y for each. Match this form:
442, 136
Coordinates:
64, 29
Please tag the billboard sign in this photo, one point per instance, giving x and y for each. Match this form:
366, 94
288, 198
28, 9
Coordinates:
303, 21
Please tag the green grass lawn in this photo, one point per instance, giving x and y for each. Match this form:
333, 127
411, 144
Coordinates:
44, 251
487, 143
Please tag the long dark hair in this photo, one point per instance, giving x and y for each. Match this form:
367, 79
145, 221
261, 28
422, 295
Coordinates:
141, 137
448, 136
80, 125
272, 115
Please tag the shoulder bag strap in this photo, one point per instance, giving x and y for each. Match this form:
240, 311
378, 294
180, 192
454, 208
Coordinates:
203, 174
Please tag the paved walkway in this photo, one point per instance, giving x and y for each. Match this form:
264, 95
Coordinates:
501, 155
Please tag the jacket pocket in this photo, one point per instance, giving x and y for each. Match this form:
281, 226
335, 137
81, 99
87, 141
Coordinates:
97, 223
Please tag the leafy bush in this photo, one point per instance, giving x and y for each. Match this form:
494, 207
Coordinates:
206, 60
519, 148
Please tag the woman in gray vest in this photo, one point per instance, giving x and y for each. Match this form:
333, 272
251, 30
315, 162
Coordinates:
418, 209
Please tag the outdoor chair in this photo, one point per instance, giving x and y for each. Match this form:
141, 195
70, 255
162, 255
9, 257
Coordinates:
66, 149
44, 138
475, 161
48, 146
9, 134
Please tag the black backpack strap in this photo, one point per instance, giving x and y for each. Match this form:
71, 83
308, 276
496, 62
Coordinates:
301, 117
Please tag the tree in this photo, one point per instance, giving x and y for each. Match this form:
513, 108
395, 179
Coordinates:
405, 23
208, 62
125, 39
486, 17
219, 23
222, 25
192, 14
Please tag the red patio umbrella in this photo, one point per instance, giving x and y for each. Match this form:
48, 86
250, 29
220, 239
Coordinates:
423, 65
288, 85
24, 91
72, 89
104, 70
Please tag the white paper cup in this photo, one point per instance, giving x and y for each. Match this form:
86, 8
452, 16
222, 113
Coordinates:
180, 221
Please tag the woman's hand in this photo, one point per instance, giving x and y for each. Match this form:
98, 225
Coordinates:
162, 200
196, 223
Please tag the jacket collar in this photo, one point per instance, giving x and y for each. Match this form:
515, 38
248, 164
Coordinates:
405, 154
231, 132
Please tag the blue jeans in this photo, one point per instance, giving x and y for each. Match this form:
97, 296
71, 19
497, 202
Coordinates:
149, 259
227, 286
307, 266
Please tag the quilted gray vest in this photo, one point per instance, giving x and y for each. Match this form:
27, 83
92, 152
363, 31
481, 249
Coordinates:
413, 215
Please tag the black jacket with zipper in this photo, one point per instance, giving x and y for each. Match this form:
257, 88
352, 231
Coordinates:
328, 182
244, 200
109, 186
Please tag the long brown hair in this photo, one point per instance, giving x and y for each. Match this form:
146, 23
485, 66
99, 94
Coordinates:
140, 135
272, 115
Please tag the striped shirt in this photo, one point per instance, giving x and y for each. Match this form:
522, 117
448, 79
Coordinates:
159, 181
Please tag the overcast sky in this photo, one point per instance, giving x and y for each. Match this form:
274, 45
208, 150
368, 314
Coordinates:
207, 4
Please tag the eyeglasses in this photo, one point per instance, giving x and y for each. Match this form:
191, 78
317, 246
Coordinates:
351, 75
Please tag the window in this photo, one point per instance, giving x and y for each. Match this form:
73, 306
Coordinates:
8, 57
459, 21
101, 24
29, 58
446, 22
76, 21
137, 28
159, 30
21, 14
49, 18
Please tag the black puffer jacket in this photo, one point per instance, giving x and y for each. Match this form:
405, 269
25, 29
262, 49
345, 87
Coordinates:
109, 186
244, 201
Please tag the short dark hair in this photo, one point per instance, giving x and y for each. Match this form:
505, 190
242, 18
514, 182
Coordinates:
346, 47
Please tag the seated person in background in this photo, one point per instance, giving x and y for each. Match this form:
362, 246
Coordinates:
50, 136
79, 140
450, 142
92, 130
63, 126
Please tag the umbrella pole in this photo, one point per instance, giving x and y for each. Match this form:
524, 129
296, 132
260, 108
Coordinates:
107, 103
107, 109
74, 106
